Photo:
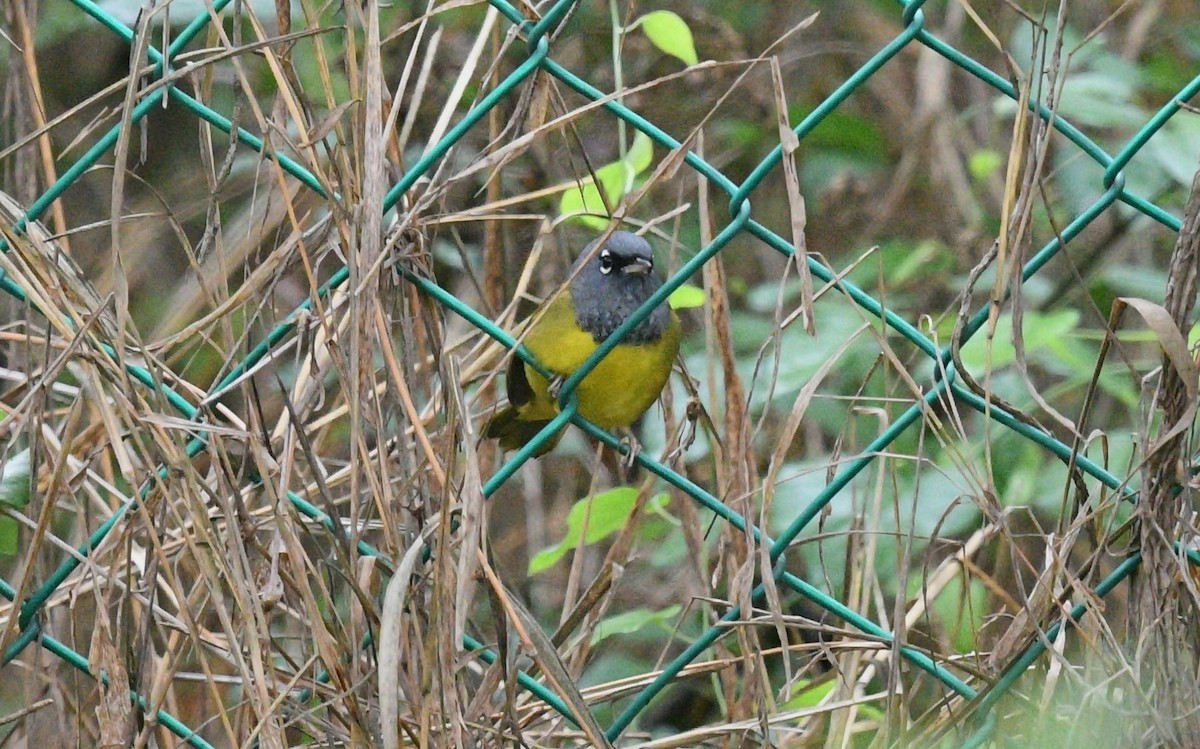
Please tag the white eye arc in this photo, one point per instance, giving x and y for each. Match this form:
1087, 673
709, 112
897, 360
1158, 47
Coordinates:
606, 262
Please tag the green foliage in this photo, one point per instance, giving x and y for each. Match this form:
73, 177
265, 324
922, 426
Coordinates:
843, 131
844, 143
1086, 711
1124, 279
806, 693
591, 199
929, 483
960, 614
631, 621
809, 694
984, 163
1054, 342
686, 297
603, 515
1111, 99
312, 76
641, 154
1041, 332
15, 488
584, 203
905, 267
916, 505
670, 33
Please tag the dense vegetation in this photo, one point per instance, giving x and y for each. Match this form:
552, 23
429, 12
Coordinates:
926, 188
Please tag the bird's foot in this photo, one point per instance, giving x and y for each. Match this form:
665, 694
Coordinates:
554, 387
632, 450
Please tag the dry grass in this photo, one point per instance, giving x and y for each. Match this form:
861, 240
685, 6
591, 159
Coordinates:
301, 550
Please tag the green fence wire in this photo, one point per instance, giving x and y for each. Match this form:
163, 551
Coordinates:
537, 34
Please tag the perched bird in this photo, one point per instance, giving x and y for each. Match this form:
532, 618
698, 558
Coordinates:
609, 286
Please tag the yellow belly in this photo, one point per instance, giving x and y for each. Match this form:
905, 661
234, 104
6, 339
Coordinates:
623, 385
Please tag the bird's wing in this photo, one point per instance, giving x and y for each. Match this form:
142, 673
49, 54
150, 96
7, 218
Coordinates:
519, 390
557, 340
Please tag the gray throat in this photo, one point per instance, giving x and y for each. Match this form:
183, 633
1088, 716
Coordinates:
602, 303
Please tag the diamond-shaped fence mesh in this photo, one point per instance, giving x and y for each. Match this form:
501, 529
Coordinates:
40, 590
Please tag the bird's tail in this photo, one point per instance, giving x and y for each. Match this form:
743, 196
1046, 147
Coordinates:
515, 432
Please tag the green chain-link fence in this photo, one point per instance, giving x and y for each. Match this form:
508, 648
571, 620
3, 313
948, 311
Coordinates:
537, 35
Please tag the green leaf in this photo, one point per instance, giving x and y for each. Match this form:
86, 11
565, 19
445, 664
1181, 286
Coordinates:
8, 536
632, 621
806, 694
1100, 99
579, 203
671, 34
687, 296
962, 615
984, 163
15, 480
844, 132
905, 262
1040, 329
641, 153
605, 514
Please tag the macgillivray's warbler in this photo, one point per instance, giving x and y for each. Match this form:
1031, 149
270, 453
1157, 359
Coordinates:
608, 287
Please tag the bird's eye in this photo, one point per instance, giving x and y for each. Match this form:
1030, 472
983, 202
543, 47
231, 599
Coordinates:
606, 262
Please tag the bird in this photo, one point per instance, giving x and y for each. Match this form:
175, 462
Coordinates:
609, 285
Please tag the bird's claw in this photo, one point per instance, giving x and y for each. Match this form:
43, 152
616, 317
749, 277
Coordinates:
554, 387
632, 450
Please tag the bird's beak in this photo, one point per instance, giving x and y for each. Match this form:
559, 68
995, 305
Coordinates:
638, 265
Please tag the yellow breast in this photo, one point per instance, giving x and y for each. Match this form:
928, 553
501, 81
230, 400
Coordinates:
623, 385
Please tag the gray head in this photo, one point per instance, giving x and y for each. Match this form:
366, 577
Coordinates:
613, 283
